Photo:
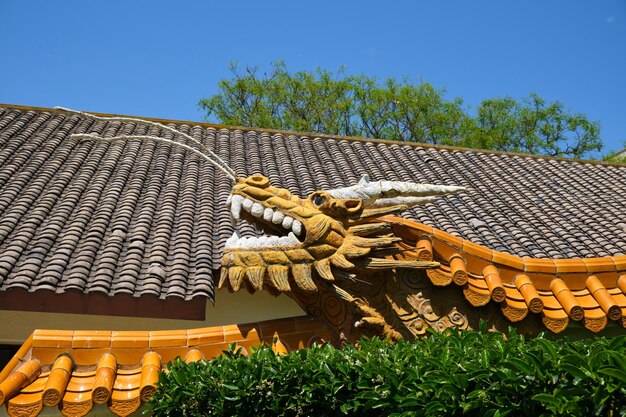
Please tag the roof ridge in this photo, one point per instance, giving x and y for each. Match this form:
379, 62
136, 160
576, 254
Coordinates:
324, 136
76, 370
588, 290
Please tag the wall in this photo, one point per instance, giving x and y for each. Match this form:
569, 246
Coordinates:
230, 308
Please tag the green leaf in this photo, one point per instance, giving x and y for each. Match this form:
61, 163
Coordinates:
546, 399
615, 373
547, 346
518, 365
575, 371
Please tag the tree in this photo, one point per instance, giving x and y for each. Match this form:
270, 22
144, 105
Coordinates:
616, 156
359, 105
532, 126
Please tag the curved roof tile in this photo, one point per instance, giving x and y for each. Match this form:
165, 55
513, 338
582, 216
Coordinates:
77, 370
146, 218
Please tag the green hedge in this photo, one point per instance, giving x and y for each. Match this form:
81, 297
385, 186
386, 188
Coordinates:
467, 373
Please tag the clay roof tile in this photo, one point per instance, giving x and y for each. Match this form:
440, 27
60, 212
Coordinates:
118, 210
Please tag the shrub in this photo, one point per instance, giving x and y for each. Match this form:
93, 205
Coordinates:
454, 373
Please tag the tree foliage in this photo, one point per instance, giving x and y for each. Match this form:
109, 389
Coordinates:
358, 105
619, 156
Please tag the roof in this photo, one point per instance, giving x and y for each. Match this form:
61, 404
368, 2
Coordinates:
591, 291
80, 370
149, 219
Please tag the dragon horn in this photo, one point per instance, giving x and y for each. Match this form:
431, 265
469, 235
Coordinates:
385, 193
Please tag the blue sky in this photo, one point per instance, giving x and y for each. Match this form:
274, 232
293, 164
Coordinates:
158, 58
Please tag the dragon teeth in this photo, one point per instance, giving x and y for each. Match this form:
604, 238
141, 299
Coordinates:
297, 227
238, 202
277, 217
292, 238
247, 204
287, 222
235, 207
288, 240
257, 210
231, 242
235, 241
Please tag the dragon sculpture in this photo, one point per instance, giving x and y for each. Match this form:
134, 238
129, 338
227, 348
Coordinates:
330, 251
343, 256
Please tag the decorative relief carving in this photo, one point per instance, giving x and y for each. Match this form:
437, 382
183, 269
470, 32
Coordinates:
100, 395
24, 410
75, 409
51, 397
404, 304
125, 408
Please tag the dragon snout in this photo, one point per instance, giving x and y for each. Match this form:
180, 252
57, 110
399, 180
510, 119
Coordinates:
258, 181
345, 207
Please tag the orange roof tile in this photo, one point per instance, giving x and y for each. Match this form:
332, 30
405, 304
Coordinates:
91, 368
589, 290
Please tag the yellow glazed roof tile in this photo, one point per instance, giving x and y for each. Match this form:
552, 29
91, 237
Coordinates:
98, 377
589, 290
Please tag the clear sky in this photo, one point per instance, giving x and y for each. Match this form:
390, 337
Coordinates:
157, 58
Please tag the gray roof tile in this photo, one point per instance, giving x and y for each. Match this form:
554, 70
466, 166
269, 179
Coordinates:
147, 218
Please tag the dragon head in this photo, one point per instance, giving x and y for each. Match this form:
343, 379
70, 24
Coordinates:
302, 234
313, 244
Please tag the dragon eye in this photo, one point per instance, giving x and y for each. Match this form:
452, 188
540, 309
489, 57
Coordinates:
318, 200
